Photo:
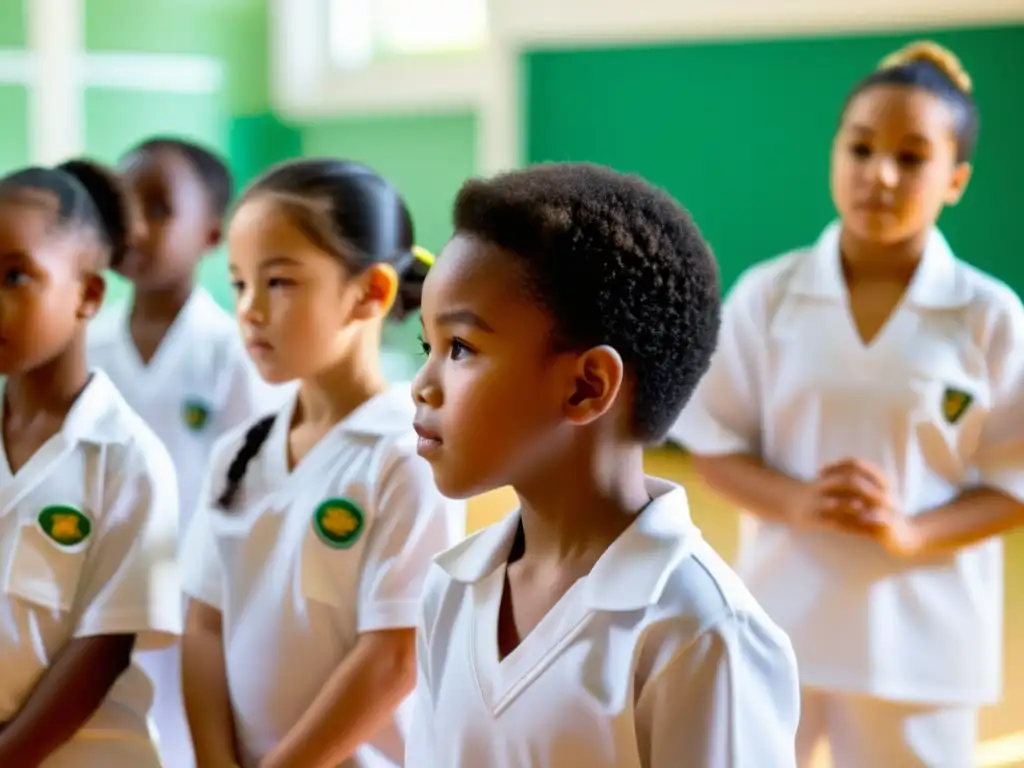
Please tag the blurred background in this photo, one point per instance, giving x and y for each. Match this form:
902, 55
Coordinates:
729, 104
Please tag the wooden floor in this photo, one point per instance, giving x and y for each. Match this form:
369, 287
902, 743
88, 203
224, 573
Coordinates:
718, 521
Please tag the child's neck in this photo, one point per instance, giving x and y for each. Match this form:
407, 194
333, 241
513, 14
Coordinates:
866, 261
582, 505
50, 390
335, 392
161, 305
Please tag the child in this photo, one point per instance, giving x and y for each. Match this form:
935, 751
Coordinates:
566, 324
174, 354
867, 408
85, 487
306, 567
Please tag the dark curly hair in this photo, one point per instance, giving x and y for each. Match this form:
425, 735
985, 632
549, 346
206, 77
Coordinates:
614, 261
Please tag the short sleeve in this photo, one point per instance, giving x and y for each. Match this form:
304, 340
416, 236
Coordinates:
724, 414
129, 585
732, 698
999, 458
412, 523
202, 573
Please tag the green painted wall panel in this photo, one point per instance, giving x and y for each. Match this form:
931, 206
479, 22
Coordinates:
14, 145
741, 133
12, 24
234, 31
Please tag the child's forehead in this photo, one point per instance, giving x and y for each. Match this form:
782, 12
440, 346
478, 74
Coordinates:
484, 279
161, 165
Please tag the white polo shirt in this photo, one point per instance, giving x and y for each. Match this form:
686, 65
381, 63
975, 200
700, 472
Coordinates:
936, 401
77, 526
199, 385
311, 558
659, 658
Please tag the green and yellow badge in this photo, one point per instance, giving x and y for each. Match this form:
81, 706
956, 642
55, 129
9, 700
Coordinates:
338, 523
65, 525
196, 414
955, 403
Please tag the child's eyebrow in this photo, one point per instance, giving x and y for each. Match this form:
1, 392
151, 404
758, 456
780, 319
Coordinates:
464, 317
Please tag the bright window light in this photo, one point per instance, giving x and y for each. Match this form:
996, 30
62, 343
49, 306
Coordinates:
364, 30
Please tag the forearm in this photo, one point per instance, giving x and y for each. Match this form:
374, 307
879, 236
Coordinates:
356, 700
746, 481
65, 698
971, 518
207, 701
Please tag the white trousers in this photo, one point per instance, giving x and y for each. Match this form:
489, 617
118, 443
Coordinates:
863, 732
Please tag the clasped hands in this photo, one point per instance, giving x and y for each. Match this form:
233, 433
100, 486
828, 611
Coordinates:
853, 496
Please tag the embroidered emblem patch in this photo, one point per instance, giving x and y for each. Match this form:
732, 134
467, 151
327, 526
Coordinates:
955, 403
65, 525
196, 414
338, 523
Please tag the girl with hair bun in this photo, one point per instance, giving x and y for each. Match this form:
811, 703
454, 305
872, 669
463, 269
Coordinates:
305, 560
866, 409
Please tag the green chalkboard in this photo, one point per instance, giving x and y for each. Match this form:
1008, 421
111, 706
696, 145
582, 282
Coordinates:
740, 133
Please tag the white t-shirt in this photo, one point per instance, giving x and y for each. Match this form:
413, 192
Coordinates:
77, 526
310, 558
659, 658
936, 401
199, 385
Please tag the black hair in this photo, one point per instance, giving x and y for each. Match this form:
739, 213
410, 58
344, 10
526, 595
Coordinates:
356, 215
936, 70
112, 203
614, 261
213, 172
353, 213
83, 200
255, 437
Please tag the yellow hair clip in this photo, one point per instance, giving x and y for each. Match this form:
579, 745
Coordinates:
423, 256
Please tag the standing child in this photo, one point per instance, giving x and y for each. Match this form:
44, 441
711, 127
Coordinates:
305, 568
566, 324
866, 407
85, 487
174, 354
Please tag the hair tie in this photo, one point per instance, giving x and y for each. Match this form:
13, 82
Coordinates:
423, 256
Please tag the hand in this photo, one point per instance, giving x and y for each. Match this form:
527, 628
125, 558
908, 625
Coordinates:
897, 532
842, 497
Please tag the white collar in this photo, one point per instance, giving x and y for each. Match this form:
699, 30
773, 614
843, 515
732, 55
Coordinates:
94, 417
632, 572
937, 282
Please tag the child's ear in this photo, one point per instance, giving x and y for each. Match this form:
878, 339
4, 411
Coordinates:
598, 378
380, 286
94, 289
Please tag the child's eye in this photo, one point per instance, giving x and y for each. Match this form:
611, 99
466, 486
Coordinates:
424, 347
459, 349
910, 159
279, 282
237, 286
13, 277
860, 150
